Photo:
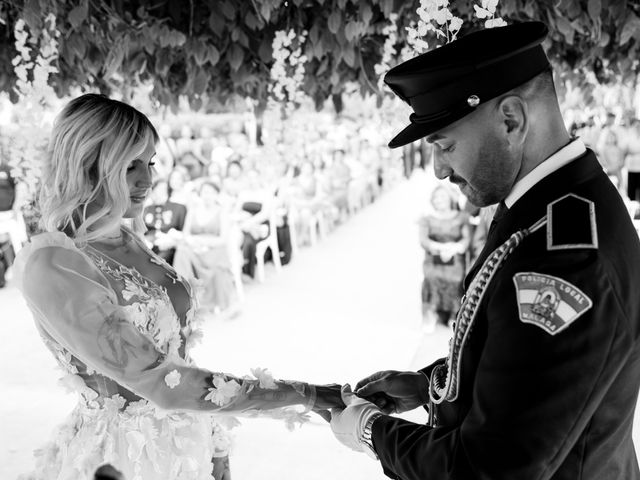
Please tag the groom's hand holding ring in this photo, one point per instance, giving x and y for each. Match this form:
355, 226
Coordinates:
395, 392
352, 425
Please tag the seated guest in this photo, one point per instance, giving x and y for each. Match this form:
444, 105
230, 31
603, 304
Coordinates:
444, 236
221, 152
164, 220
306, 198
369, 158
234, 181
204, 144
340, 176
180, 185
215, 172
248, 233
204, 251
194, 164
185, 140
255, 203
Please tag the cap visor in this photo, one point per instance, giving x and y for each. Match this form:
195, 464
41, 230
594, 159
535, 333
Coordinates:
410, 134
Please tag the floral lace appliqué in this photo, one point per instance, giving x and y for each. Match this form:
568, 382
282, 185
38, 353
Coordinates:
223, 391
151, 310
265, 378
172, 379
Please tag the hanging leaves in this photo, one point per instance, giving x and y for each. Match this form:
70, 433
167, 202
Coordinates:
200, 82
566, 29
228, 10
78, 14
114, 59
213, 55
630, 29
349, 56
366, 13
114, 45
235, 56
594, 7
334, 22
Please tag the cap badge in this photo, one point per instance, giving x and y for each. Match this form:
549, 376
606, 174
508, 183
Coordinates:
473, 100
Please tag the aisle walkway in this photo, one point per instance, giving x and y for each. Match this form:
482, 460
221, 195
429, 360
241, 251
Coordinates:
341, 310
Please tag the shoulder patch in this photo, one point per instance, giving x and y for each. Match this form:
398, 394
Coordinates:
571, 223
549, 302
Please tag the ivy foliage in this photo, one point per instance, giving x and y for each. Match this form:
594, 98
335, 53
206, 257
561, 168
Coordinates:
214, 51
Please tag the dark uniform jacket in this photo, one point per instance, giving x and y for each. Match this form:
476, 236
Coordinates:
535, 403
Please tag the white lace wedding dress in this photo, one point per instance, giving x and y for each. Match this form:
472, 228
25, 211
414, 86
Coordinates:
123, 342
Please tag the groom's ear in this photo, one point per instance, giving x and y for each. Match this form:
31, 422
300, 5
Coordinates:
513, 118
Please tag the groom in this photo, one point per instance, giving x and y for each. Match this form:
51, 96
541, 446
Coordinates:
543, 372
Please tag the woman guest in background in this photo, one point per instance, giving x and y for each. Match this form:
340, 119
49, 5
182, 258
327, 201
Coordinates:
444, 236
307, 201
204, 253
120, 321
340, 177
180, 187
251, 205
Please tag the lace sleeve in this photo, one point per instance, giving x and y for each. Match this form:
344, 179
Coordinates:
73, 302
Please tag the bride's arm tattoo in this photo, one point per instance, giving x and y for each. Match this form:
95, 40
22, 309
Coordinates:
268, 395
118, 346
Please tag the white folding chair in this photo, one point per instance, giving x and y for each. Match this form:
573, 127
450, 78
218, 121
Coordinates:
235, 255
270, 242
292, 216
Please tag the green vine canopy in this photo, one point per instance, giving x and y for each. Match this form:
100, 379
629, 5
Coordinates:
214, 52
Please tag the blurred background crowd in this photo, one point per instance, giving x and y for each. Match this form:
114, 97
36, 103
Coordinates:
222, 206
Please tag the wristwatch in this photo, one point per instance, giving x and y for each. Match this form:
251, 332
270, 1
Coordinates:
366, 439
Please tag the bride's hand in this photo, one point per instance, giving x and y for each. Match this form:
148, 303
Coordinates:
328, 396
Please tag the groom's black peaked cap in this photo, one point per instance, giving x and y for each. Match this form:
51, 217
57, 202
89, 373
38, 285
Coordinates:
447, 83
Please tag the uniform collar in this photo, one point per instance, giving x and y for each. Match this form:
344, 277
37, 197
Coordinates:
532, 206
565, 155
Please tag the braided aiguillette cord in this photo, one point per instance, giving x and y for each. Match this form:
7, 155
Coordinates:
444, 378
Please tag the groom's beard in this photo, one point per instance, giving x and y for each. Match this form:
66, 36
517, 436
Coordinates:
493, 176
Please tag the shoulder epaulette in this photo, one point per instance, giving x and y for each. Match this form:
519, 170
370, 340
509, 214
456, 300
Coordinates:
571, 223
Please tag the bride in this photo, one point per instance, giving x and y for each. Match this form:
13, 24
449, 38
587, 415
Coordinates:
120, 321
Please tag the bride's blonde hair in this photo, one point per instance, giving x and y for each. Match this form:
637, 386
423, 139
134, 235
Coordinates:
94, 139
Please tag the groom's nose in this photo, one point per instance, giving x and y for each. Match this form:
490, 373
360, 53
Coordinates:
440, 167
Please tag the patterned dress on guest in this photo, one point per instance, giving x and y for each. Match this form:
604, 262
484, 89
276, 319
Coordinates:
441, 286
